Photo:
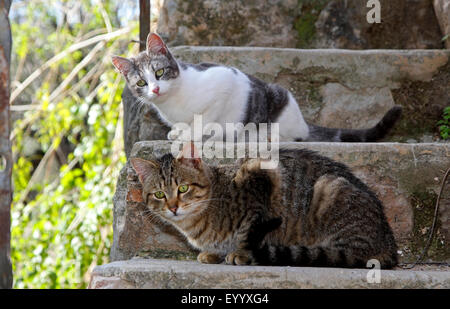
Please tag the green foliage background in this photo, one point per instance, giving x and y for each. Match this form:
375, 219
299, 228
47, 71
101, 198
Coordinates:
67, 145
444, 124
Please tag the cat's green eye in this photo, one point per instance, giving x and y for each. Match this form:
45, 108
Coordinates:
141, 83
159, 73
183, 188
160, 194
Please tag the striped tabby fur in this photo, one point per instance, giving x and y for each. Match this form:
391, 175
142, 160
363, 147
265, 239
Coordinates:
311, 211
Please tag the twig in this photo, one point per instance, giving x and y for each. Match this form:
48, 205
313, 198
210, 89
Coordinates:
137, 41
105, 16
23, 108
433, 226
56, 58
69, 167
94, 92
19, 69
36, 172
22, 126
74, 89
407, 264
93, 33
75, 71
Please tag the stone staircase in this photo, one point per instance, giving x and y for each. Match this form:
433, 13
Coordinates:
167, 274
334, 88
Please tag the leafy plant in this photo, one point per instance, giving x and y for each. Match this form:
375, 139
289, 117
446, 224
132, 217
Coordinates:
67, 144
444, 124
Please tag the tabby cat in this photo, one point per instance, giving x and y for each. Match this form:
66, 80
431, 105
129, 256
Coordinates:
310, 211
223, 95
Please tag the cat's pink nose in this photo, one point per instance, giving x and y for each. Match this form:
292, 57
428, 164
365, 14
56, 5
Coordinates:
173, 209
156, 90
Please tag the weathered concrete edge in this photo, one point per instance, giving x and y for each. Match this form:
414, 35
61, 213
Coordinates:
314, 50
151, 273
383, 68
317, 146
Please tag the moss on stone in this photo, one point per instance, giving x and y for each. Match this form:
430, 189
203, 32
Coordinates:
234, 28
423, 104
305, 23
305, 29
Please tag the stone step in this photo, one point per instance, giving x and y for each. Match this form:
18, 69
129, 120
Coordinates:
333, 87
169, 274
347, 88
406, 178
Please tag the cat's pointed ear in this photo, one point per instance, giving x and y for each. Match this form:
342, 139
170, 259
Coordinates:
189, 155
124, 65
143, 168
155, 45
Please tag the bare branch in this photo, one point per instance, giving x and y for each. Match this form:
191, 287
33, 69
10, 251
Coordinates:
75, 70
56, 58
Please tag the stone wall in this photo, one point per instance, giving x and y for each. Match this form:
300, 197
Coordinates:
405, 24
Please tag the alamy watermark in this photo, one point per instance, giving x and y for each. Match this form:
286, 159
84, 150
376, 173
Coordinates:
374, 14
373, 275
235, 141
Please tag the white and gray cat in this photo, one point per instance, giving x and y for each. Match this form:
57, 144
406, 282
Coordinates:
223, 95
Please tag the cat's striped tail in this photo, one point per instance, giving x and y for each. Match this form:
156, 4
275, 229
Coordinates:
379, 131
316, 256
354, 252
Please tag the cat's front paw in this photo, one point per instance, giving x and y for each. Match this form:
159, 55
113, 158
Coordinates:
239, 257
179, 132
209, 258
174, 134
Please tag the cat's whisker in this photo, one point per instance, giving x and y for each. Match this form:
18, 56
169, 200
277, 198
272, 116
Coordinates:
152, 218
141, 102
193, 204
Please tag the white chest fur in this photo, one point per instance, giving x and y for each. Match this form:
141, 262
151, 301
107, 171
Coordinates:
219, 94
